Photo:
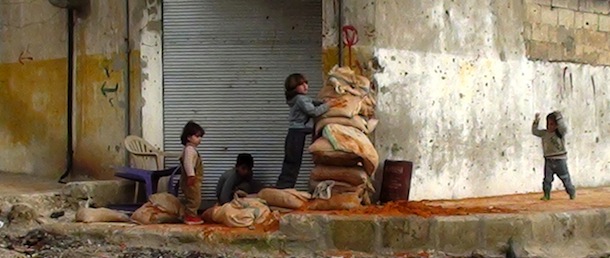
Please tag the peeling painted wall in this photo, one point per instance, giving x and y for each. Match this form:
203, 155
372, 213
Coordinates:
152, 73
100, 103
33, 76
458, 96
104, 106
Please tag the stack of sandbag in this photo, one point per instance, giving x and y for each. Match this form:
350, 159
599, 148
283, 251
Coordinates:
160, 208
240, 212
344, 154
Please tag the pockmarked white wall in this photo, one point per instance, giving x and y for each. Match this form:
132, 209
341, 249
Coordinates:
457, 96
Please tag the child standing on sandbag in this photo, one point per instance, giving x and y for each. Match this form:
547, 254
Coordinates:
302, 108
555, 153
192, 171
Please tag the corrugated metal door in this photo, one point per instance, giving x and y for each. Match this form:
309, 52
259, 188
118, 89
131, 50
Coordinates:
224, 64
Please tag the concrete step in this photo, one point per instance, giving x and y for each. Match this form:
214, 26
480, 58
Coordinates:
45, 202
582, 233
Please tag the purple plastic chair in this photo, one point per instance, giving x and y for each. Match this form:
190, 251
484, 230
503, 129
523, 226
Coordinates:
149, 178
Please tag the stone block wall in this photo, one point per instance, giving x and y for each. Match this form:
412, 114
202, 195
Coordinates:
568, 30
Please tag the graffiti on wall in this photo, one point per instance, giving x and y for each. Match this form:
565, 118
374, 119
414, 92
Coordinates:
350, 39
110, 86
567, 83
25, 56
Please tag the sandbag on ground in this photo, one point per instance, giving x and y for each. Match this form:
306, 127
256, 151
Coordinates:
150, 214
242, 212
284, 198
168, 203
100, 215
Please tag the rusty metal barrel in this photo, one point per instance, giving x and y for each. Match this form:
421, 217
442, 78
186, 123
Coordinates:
396, 183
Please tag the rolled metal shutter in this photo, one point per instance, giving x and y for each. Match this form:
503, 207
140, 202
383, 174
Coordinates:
224, 65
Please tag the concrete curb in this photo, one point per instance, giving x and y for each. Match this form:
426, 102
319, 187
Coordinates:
584, 233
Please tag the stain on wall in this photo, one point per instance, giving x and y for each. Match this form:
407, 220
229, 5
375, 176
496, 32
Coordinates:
104, 73
33, 117
33, 75
33, 80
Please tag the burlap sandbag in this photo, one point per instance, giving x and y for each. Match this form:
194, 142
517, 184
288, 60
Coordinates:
343, 201
346, 106
356, 121
338, 188
168, 203
100, 215
371, 124
208, 214
323, 153
367, 107
242, 212
343, 80
284, 198
350, 139
150, 214
351, 175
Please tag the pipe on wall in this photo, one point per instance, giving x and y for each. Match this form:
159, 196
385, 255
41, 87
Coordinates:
70, 98
127, 80
339, 30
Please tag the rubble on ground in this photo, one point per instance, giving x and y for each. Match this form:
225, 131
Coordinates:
38, 243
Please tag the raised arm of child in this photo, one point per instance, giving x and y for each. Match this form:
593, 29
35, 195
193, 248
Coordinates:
535, 129
562, 128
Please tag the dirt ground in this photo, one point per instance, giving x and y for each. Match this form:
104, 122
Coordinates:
37, 243
586, 198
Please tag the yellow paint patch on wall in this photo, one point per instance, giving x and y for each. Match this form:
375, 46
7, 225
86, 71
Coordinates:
100, 124
135, 95
33, 117
358, 61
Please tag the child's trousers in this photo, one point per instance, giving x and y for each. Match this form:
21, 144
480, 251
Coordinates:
293, 157
557, 167
192, 194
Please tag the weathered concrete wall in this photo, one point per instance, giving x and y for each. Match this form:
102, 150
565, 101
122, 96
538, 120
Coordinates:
458, 95
360, 14
459, 84
568, 30
103, 74
33, 79
152, 73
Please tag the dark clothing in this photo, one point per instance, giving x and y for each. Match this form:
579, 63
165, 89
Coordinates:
293, 157
231, 181
557, 167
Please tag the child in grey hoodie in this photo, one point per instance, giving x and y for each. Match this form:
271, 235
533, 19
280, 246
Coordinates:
302, 108
555, 153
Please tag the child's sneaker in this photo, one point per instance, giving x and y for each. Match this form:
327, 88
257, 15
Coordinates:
572, 196
545, 198
190, 220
